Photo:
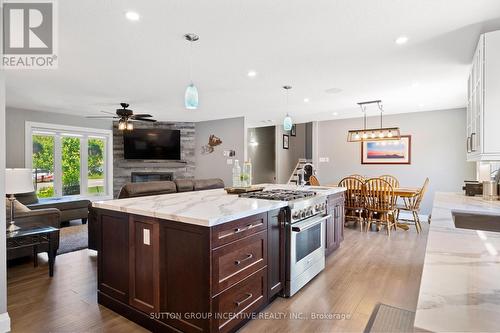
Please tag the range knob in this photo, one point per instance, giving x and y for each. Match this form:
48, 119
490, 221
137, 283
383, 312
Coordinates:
296, 215
303, 213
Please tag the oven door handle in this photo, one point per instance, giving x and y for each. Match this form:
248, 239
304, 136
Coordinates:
300, 228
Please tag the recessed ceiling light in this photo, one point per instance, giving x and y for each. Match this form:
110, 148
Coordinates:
401, 40
132, 16
415, 84
421, 105
306, 100
252, 73
335, 114
333, 90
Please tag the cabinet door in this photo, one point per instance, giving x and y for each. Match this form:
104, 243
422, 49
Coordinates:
113, 258
339, 218
331, 240
144, 263
276, 251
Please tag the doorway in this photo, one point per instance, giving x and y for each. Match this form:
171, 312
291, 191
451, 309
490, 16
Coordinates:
262, 152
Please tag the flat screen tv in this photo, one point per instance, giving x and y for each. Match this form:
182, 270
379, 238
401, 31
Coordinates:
152, 144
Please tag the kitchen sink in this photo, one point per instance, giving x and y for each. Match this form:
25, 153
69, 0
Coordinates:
476, 221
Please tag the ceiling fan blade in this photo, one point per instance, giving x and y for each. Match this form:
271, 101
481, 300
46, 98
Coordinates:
145, 119
102, 117
108, 112
142, 115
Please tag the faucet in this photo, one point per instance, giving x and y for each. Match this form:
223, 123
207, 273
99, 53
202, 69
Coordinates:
302, 173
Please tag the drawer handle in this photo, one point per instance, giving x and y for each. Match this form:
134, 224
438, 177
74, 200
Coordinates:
249, 296
238, 230
239, 262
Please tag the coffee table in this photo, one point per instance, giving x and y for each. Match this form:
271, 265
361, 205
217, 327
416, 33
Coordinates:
35, 237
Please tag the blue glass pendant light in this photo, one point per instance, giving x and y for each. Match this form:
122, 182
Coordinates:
287, 122
191, 98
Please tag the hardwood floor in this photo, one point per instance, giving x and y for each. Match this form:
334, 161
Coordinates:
367, 269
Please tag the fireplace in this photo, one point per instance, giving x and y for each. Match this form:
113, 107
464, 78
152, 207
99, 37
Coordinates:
141, 177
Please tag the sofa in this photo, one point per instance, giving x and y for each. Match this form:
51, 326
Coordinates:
134, 190
69, 208
26, 218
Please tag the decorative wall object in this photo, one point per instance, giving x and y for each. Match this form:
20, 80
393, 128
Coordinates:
387, 152
293, 131
213, 142
286, 141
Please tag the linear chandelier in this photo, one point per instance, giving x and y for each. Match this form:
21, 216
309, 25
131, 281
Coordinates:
373, 134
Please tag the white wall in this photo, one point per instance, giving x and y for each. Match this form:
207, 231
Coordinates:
4, 317
438, 151
232, 133
286, 159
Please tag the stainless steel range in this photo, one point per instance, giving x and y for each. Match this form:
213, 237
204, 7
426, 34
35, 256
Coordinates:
305, 231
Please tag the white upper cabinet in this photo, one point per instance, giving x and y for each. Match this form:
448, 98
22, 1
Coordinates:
483, 100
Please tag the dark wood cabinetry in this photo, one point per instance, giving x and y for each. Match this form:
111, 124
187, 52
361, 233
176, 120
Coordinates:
172, 276
276, 251
335, 224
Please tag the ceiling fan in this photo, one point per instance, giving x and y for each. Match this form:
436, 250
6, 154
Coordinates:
125, 116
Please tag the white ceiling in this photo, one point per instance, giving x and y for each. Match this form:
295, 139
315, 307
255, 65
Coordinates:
312, 45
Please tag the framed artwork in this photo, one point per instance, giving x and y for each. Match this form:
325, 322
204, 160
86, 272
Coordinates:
286, 141
387, 152
293, 131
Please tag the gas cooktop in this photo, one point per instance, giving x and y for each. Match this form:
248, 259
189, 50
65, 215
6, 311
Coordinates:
282, 195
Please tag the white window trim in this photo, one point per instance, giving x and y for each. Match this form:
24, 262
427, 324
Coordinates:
86, 132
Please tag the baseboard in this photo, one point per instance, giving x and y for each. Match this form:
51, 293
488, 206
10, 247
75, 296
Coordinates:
4, 322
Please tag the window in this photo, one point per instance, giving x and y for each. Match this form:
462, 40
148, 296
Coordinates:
69, 161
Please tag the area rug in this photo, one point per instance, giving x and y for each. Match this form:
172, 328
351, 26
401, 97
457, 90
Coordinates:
73, 238
386, 318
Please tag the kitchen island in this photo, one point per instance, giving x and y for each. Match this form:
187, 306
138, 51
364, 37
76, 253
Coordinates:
193, 262
460, 286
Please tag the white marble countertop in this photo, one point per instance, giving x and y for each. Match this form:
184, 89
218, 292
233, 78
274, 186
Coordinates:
206, 208
460, 286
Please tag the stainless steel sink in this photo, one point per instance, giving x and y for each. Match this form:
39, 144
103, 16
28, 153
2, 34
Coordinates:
476, 221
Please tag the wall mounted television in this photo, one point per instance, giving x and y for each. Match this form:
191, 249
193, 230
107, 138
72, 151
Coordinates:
152, 144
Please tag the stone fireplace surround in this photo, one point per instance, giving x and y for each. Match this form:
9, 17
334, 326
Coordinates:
123, 169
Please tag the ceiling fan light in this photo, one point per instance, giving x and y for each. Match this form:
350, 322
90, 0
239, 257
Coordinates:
121, 125
130, 126
191, 101
287, 123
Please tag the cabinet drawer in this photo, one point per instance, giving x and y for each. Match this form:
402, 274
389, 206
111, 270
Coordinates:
245, 297
234, 262
231, 231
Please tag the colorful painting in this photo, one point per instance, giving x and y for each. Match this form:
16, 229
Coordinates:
387, 152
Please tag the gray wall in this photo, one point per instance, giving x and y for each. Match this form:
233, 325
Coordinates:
438, 151
263, 156
232, 133
122, 169
16, 119
287, 158
3, 274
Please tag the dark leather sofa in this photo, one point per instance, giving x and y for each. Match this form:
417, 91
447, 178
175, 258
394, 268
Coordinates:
69, 208
134, 190
32, 218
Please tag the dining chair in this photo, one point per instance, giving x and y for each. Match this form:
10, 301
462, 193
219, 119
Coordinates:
391, 180
354, 202
362, 178
413, 205
313, 181
381, 201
